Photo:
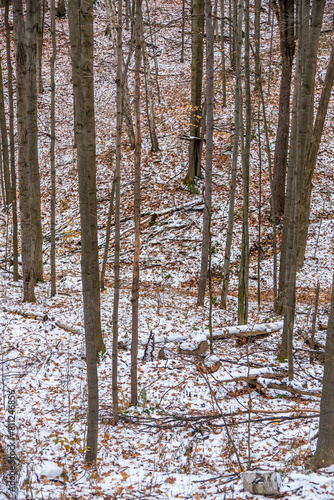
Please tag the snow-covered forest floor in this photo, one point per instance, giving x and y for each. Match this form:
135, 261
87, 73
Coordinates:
175, 444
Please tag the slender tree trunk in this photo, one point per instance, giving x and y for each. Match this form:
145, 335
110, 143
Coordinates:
311, 158
286, 25
272, 17
237, 118
23, 166
149, 98
244, 262
52, 155
119, 100
81, 39
3, 193
111, 15
209, 150
106, 247
291, 210
324, 454
257, 19
4, 140
197, 36
40, 33
222, 48
32, 137
155, 59
182, 30
12, 144
135, 279
259, 213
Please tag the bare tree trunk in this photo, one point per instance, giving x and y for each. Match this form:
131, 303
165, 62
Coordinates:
111, 15
291, 209
32, 137
40, 33
3, 192
222, 48
154, 51
311, 158
197, 36
182, 30
81, 39
149, 98
23, 166
117, 180
244, 262
106, 246
259, 214
286, 25
237, 118
209, 150
135, 279
4, 140
272, 17
324, 454
52, 153
12, 143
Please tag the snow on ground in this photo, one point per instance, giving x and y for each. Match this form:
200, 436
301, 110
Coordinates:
192, 429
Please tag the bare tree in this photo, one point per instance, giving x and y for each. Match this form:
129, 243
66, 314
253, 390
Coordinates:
287, 39
4, 140
222, 48
149, 97
244, 261
197, 36
135, 279
12, 144
32, 137
23, 165
52, 153
311, 158
117, 181
237, 24
111, 16
324, 454
81, 40
209, 150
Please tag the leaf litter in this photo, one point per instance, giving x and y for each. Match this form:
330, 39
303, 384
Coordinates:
193, 426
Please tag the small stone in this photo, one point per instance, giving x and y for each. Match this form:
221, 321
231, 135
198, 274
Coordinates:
262, 483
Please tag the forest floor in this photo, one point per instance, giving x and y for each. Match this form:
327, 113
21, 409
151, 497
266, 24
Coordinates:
194, 429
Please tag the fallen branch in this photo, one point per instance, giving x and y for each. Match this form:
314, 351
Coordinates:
40, 317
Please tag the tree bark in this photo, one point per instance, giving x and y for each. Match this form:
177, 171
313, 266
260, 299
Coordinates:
117, 180
324, 454
52, 152
4, 140
12, 144
222, 48
244, 261
135, 279
197, 36
209, 150
32, 137
111, 15
286, 26
81, 40
237, 99
149, 97
311, 159
23, 165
